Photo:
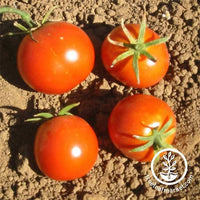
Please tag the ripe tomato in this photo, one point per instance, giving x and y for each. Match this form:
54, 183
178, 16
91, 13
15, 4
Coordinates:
62, 57
138, 120
65, 147
142, 72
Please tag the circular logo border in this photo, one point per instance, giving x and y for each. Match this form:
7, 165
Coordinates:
185, 162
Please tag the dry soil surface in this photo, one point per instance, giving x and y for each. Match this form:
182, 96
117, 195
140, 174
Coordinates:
114, 177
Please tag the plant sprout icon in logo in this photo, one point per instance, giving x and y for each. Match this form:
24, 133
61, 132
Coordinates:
169, 175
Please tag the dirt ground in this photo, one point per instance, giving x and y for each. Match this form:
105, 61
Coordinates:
114, 177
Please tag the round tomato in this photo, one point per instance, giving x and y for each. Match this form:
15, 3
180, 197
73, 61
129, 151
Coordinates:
65, 147
141, 125
137, 58
61, 57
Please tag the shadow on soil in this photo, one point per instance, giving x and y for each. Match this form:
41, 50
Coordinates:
21, 137
8, 58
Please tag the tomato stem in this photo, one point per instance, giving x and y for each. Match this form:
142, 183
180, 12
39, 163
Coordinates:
12, 33
135, 47
46, 17
24, 15
127, 33
32, 25
142, 30
65, 110
46, 115
20, 26
157, 139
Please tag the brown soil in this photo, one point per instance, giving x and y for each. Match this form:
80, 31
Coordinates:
114, 177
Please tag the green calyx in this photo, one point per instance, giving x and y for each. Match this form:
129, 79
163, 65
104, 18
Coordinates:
135, 47
31, 25
157, 139
46, 115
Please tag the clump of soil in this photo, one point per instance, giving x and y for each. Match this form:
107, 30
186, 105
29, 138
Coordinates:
114, 177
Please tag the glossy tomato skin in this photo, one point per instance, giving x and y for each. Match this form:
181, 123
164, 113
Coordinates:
150, 72
65, 148
134, 115
62, 57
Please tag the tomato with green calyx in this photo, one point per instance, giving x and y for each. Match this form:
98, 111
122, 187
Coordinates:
135, 55
65, 146
141, 125
55, 56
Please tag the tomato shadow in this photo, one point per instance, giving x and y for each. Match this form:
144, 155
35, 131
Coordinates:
97, 32
95, 107
21, 139
8, 48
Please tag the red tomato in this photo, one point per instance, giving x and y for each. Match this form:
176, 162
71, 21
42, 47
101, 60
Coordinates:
62, 57
150, 72
65, 147
141, 115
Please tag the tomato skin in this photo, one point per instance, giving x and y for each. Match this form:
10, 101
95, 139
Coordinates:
65, 148
132, 116
61, 59
150, 72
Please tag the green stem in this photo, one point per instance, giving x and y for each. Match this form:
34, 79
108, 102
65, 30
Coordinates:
127, 33
32, 25
24, 15
122, 56
135, 65
46, 17
21, 27
142, 31
156, 42
12, 33
46, 115
157, 139
143, 147
143, 138
148, 55
65, 110
138, 47
168, 133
